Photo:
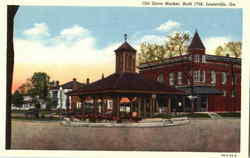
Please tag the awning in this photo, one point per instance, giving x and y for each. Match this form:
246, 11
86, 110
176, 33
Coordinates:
201, 90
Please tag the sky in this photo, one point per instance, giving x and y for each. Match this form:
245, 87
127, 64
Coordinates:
79, 42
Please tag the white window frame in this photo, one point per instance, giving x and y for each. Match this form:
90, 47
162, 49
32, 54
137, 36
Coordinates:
213, 77
171, 78
203, 58
179, 78
223, 78
197, 58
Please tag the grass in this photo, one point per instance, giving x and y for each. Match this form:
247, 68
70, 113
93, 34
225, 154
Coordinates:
230, 114
35, 119
189, 115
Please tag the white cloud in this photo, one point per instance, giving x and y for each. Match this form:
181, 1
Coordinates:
154, 39
74, 32
169, 25
61, 50
38, 30
211, 43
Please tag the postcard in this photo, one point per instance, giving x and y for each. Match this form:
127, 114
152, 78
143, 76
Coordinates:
108, 78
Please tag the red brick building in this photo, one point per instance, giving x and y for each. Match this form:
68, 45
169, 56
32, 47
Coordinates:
213, 81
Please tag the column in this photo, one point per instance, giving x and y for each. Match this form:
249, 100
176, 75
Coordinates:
114, 106
82, 105
67, 103
157, 106
118, 107
144, 107
150, 107
95, 106
139, 107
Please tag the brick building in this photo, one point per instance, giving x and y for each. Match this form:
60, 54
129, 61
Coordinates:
212, 82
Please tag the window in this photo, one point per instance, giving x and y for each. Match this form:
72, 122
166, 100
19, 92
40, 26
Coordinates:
199, 76
179, 77
234, 79
213, 77
233, 93
171, 78
196, 76
203, 58
160, 77
197, 58
224, 93
223, 78
203, 76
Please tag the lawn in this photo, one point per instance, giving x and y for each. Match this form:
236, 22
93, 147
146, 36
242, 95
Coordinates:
230, 114
189, 115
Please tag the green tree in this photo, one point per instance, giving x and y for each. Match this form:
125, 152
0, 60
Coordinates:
231, 48
17, 99
178, 42
174, 45
220, 51
40, 82
234, 48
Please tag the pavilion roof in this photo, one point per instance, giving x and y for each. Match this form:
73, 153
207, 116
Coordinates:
126, 82
125, 47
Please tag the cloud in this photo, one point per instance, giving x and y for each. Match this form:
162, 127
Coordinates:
153, 39
211, 43
38, 30
61, 59
169, 25
74, 32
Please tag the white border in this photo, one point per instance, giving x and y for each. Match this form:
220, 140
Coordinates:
126, 3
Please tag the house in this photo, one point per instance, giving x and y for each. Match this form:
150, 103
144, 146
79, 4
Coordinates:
211, 83
65, 88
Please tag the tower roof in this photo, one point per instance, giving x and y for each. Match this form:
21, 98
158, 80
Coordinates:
125, 47
196, 43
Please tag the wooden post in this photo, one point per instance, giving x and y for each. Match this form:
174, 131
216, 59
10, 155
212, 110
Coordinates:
139, 107
95, 110
82, 105
157, 106
118, 107
145, 106
114, 106
150, 107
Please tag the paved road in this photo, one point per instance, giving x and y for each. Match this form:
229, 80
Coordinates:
200, 135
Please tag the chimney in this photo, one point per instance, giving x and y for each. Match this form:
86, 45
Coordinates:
87, 81
102, 75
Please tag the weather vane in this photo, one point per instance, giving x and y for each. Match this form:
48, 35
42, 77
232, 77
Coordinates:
125, 37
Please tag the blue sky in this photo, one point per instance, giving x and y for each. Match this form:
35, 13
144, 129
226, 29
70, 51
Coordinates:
79, 41
108, 24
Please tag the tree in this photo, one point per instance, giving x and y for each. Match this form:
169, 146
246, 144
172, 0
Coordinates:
234, 48
220, 51
231, 48
40, 82
174, 45
17, 99
177, 43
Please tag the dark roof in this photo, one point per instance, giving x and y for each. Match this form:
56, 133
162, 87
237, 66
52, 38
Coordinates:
125, 47
126, 82
201, 90
72, 84
196, 43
